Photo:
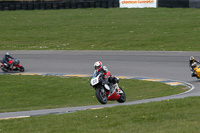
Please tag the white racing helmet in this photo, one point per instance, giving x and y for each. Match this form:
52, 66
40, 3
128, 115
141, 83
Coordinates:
98, 65
7, 53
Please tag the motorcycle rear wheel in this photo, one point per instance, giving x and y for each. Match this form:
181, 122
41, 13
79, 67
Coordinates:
122, 98
101, 95
3, 69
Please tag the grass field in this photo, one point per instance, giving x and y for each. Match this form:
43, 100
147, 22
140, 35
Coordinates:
101, 29
164, 29
174, 116
41, 92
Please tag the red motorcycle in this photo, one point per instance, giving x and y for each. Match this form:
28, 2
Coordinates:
15, 66
104, 92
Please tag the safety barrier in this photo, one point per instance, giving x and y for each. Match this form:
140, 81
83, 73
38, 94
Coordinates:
71, 4
179, 3
194, 4
29, 5
173, 3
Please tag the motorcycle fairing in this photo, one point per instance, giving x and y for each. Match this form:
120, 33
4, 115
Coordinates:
114, 96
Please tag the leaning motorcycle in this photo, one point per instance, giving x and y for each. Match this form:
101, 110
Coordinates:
196, 69
103, 94
15, 66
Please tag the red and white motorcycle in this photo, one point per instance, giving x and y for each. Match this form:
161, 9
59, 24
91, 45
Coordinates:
15, 66
103, 94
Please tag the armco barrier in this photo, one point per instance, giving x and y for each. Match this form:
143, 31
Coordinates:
73, 4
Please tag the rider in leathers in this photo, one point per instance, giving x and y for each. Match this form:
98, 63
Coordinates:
108, 78
6, 59
192, 64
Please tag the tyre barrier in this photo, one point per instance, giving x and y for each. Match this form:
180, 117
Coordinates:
179, 3
194, 4
31, 5
47, 5
173, 3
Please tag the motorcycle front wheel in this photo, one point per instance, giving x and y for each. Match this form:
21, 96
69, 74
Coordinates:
101, 95
122, 98
21, 69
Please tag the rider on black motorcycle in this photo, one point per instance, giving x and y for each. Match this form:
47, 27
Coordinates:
108, 78
6, 59
192, 64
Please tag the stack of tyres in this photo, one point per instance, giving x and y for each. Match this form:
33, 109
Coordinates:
18, 6
24, 6
194, 3
55, 6
110, 4
61, 5
12, 7
85, 5
6, 6
98, 4
37, 6
115, 3
104, 4
30, 6
163, 3
67, 5
1, 7
180, 3
48, 5
173, 3
42, 5
92, 4
80, 5
73, 5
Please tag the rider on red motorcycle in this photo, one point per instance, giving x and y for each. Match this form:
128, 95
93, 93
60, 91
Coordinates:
6, 59
98, 66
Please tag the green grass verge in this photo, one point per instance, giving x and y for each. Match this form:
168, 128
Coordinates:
19, 92
174, 116
167, 29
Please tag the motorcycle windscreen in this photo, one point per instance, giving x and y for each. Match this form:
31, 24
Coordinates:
95, 74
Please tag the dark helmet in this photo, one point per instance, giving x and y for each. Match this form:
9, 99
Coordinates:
16, 62
191, 59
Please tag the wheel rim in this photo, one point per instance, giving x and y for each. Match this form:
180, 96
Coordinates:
123, 96
103, 95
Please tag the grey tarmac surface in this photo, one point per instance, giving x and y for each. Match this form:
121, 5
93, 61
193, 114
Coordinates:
155, 64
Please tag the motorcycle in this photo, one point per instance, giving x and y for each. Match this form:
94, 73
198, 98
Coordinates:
196, 70
15, 66
103, 94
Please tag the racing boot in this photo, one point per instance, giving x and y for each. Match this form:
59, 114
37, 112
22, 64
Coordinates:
116, 88
193, 74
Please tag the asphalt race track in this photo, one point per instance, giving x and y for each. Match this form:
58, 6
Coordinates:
167, 65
